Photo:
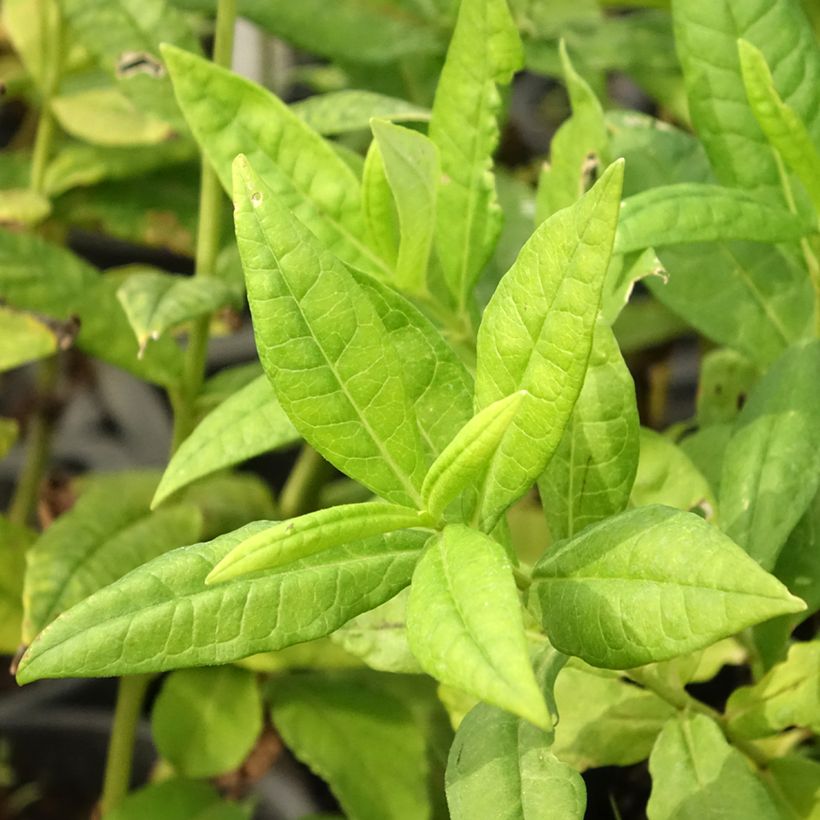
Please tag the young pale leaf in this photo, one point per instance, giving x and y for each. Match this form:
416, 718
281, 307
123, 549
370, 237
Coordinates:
177, 799
325, 349
786, 696
206, 721
500, 766
360, 738
308, 534
604, 721
411, 165
465, 459
247, 424
795, 784
107, 532
667, 476
351, 110
484, 53
25, 338
696, 773
693, 212
575, 150
464, 623
305, 174
162, 616
784, 129
155, 302
379, 206
33, 26
706, 35
536, 335
22, 206
591, 473
771, 468
648, 585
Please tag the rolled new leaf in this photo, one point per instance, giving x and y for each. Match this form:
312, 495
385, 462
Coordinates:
464, 623
468, 454
650, 584
288, 541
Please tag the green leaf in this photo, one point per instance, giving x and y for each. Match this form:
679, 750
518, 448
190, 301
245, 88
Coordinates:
696, 773
705, 448
771, 468
500, 766
796, 783
464, 623
465, 459
624, 271
123, 36
156, 302
325, 349
22, 206
25, 338
379, 637
667, 476
786, 696
411, 165
592, 471
14, 541
246, 424
304, 172
706, 35
162, 616
351, 110
107, 532
33, 26
783, 128
536, 335
726, 377
435, 379
206, 721
379, 207
177, 799
603, 720
288, 541
696, 212
105, 116
648, 585
360, 738
485, 52
9, 432
576, 148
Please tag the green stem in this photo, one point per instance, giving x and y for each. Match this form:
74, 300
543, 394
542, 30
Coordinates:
37, 446
207, 244
42, 148
306, 478
117, 779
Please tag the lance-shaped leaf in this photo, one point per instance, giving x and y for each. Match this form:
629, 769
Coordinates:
696, 773
124, 36
304, 172
464, 623
351, 110
155, 302
162, 616
484, 53
693, 212
325, 349
206, 721
379, 206
591, 473
107, 532
435, 379
247, 424
784, 129
359, 737
411, 164
648, 585
575, 150
536, 335
706, 35
297, 538
771, 467
501, 766
465, 459
786, 696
